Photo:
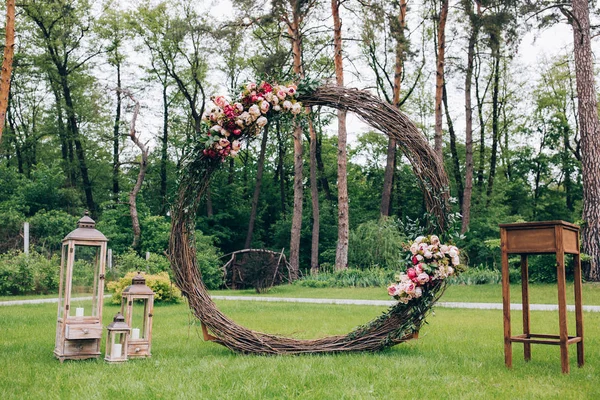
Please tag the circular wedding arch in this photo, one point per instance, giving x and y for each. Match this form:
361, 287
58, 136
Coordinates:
400, 323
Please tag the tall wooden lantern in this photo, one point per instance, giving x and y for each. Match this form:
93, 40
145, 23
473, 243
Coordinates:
137, 306
81, 291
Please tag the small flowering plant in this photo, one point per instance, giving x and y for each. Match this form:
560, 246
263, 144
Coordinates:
431, 262
228, 122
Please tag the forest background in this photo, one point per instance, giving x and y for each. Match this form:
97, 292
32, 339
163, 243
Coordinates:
85, 71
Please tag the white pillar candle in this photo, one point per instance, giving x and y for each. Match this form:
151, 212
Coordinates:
79, 312
116, 350
135, 333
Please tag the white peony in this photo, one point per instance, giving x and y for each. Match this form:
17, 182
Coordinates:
262, 121
296, 108
277, 107
236, 145
264, 107
254, 110
287, 105
419, 239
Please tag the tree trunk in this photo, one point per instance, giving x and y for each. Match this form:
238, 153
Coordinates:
341, 252
495, 117
79, 150
453, 150
9, 50
321, 165
116, 139
590, 136
256, 195
468, 191
294, 32
62, 134
388, 177
280, 175
164, 151
481, 162
135, 222
439, 76
314, 194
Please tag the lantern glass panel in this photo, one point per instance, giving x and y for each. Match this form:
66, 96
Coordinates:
63, 264
84, 284
138, 312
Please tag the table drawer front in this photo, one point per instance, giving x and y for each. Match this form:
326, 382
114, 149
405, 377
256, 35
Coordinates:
85, 331
79, 347
530, 241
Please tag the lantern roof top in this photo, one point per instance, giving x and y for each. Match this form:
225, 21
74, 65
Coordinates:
138, 286
118, 323
86, 230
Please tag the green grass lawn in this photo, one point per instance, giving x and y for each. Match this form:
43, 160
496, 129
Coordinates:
539, 293
459, 355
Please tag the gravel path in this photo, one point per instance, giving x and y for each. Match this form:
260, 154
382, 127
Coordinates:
442, 304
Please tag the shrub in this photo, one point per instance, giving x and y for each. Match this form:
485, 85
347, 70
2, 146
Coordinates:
161, 285
376, 243
28, 274
209, 261
48, 228
131, 261
351, 277
477, 276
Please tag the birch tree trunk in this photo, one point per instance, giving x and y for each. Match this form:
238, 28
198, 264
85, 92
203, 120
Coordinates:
9, 50
590, 136
341, 252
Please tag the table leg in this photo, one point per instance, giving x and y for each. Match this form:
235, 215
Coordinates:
525, 297
506, 301
562, 302
578, 308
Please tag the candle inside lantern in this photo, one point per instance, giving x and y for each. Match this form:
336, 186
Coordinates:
116, 350
79, 312
135, 333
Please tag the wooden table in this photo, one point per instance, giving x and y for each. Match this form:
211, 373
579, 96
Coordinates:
548, 237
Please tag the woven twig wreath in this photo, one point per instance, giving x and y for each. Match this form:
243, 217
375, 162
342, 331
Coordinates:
397, 325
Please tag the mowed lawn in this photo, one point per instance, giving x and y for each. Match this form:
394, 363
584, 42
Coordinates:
459, 355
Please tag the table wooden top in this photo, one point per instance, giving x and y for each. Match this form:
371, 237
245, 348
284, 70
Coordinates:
539, 224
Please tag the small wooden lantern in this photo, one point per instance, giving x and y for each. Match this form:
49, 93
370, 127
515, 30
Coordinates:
117, 339
81, 291
137, 306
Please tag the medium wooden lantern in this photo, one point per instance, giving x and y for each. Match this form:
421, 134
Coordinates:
137, 306
117, 340
81, 291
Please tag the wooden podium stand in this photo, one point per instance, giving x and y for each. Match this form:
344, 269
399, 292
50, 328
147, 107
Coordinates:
548, 237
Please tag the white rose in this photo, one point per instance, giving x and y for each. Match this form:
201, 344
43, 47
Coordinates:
269, 96
428, 254
418, 292
254, 110
239, 122
236, 145
414, 248
455, 260
216, 128
453, 252
435, 239
264, 107
275, 100
262, 121
287, 105
419, 257
444, 249
296, 108
419, 239
277, 108
239, 107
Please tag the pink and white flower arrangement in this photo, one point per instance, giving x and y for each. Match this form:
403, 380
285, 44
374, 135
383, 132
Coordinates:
431, 261
229, 121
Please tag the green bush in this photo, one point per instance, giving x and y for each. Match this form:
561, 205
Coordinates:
48, 228
376, 244
377, 277
28, 274
477, 276
209, 261
164, 290
131, 261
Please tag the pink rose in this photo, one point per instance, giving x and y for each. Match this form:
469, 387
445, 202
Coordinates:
393, 290
411, 273
264, 107
423, 278
223, 142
